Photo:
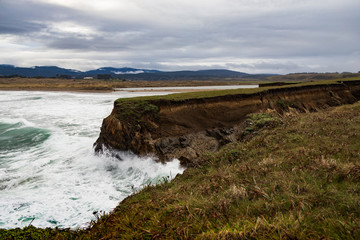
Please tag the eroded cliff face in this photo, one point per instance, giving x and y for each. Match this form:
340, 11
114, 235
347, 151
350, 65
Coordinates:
189, 128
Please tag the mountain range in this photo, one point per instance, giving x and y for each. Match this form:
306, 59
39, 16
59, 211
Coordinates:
124, 73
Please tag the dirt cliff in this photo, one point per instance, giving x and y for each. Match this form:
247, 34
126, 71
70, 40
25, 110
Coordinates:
187, 128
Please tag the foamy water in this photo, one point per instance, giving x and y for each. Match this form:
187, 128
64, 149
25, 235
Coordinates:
49, 174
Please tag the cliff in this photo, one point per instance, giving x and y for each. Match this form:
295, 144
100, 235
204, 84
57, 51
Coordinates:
187, 127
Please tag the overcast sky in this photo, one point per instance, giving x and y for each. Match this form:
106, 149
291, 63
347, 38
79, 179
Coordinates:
254, 36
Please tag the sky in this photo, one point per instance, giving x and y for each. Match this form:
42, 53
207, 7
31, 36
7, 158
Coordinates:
253, 36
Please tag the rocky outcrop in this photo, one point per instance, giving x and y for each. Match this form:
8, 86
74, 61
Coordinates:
186, 129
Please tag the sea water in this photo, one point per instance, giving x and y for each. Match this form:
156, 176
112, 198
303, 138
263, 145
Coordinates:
49, 173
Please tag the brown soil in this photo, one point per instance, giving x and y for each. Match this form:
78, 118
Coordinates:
187, 129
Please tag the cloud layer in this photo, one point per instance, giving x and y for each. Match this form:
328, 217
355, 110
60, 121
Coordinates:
274, 36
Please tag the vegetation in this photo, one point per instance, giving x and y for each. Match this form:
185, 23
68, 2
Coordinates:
31, 232
218, 93
257, 121
299, 180
312, 76
295, 180
133, 111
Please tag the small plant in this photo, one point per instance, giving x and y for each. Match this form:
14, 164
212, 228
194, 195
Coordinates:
257, 121
280, 103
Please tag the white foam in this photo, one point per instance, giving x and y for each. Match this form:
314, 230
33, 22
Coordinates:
61, 182
23, 122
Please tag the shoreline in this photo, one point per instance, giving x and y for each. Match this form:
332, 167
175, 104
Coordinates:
56, 90
110, 91
150, 89
49, 84
207, 120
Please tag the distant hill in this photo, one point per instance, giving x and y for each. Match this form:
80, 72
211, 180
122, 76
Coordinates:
45, 71
126, 73
118, 71
53, 71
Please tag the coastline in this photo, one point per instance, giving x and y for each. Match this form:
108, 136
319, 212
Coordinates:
130, 89
105, 91
57, 90
186, 126
81, 85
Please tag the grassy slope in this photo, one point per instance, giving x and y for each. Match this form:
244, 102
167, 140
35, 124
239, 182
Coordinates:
297, 180
311, 76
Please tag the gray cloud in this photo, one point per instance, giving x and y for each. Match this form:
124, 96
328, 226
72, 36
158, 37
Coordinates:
271, 36
19, 17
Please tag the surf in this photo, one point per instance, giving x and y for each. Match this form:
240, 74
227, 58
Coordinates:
49, 173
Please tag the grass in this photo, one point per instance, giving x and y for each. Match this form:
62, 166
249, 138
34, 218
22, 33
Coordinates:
299, 180
211, 94
31, 232
296, 180
257, 121
132, 111
312, 76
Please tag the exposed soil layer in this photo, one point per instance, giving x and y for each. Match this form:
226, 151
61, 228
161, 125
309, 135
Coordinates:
189, 128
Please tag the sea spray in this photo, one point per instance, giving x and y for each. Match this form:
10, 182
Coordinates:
49, 173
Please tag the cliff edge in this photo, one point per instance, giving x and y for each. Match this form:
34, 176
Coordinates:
185, 126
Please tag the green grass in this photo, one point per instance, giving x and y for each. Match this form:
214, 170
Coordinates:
133, 112
312, 76
258, 121
211, 94
299, 180
31, 232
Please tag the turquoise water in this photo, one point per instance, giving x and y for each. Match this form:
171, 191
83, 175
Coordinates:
19, 136
49, 174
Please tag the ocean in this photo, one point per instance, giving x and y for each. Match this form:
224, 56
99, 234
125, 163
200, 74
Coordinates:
49, 173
